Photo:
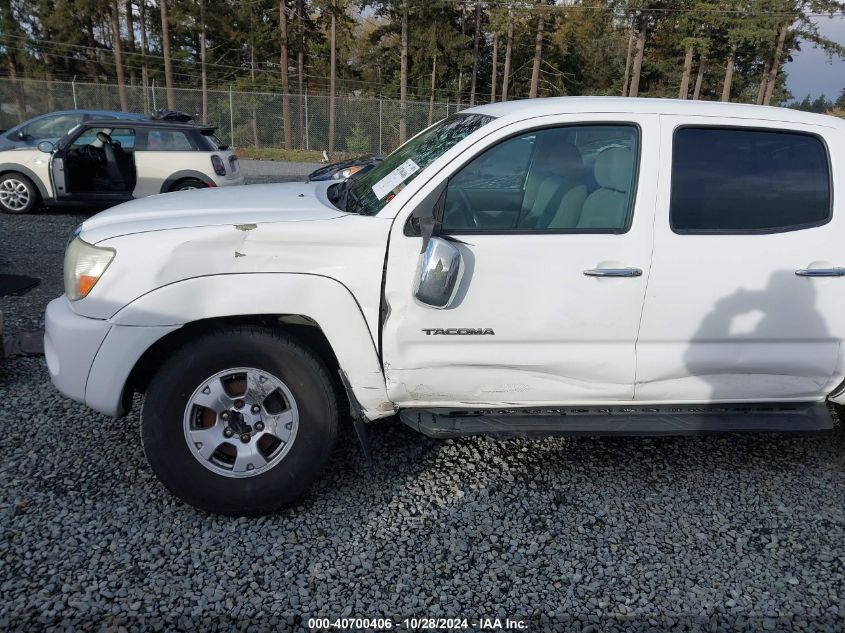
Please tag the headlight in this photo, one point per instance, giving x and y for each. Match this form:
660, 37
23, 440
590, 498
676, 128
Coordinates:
84, 265
346, 173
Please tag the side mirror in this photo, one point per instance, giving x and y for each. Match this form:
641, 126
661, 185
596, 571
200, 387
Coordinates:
439, 275
46, 146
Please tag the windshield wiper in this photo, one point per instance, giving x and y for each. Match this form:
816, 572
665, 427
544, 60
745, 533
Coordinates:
345, 194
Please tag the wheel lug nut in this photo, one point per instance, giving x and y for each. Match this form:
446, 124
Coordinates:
224, 416
228, 432
259, 426
256, 408
245, 438
239, 404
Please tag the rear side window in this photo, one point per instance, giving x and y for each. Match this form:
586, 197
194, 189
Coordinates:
168, 141
732, 180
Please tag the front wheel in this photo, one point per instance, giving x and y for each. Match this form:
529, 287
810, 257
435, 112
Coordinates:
17, 194
239, 421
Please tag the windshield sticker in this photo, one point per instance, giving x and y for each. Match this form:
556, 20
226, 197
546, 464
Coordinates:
394, 178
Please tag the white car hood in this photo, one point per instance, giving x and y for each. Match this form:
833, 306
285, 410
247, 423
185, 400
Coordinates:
248, 204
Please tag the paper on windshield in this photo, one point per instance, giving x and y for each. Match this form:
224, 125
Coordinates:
394, 178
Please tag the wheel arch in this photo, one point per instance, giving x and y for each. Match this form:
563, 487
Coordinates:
185, 174
319, 311
9, 168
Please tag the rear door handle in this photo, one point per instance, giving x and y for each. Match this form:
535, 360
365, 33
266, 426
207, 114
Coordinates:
613, 272
821, 272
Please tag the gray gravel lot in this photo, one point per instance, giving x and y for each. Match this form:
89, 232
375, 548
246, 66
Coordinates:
716, 533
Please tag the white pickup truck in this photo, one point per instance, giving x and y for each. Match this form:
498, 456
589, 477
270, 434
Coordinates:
554, 266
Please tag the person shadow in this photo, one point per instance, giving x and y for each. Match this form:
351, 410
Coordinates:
763, 344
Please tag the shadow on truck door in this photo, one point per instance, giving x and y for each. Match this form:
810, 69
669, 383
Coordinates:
765, 344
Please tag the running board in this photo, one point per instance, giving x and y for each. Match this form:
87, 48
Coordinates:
623, 420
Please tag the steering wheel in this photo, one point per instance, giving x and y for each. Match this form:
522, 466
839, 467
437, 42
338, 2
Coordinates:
92, 153
466, 208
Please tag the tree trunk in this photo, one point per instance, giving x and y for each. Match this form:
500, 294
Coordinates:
538, 57
300, 68
145, 76
256, 141
774, 69
475, 53
699, 79
91, 41
118, 54
165, 50
331, 86
461, 60
495, 71
403, 77
433, 86
130, 43
761, 91
684, 91
627, 74
507, 72
638, 64
20, 103
283, 63
203, 73
729, 75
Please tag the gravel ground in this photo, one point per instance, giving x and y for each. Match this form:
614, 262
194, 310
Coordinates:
256, 171
716, 533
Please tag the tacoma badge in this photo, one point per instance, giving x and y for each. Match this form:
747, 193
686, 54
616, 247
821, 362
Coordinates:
460, 331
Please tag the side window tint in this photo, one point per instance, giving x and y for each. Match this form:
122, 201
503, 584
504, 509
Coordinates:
742, 180
168, 141
574, 178
125, 137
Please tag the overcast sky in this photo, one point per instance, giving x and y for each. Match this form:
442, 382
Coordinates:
810, 72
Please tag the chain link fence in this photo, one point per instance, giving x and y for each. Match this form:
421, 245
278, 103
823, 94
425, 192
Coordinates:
242, 119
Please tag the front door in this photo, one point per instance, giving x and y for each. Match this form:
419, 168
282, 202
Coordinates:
744, 301
555, 228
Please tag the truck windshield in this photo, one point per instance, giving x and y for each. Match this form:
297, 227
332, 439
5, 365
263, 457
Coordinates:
369, 194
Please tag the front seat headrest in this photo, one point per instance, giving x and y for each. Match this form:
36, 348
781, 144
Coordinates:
103, 137
613, 169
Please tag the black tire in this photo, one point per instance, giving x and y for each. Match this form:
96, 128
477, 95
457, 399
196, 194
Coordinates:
187, 184
168, 451
14, 188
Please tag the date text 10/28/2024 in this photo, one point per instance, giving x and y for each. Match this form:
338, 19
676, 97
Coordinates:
416, 624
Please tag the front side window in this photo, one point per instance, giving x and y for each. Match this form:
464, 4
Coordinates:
566, 179
735, 180
125, 137
371, 192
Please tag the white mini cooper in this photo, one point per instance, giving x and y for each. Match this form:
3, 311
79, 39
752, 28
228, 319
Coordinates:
103, 163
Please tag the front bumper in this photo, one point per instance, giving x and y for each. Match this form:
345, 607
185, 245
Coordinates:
71, 342
90, 360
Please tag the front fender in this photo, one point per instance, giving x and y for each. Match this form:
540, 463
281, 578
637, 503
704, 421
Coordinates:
323, 299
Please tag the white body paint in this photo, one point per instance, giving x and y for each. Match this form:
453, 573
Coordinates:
561, 338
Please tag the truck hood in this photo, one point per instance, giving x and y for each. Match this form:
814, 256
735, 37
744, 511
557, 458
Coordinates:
247, 204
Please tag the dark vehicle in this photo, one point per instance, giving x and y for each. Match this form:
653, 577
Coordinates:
54, 125
346, 168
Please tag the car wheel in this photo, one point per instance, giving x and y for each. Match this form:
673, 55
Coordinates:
239, 421
186, 185
17, 194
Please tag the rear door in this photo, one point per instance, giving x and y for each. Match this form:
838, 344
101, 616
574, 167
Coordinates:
745, 297
165, 152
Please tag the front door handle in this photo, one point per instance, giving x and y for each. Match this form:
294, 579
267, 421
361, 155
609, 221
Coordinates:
821, 272
613, 272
